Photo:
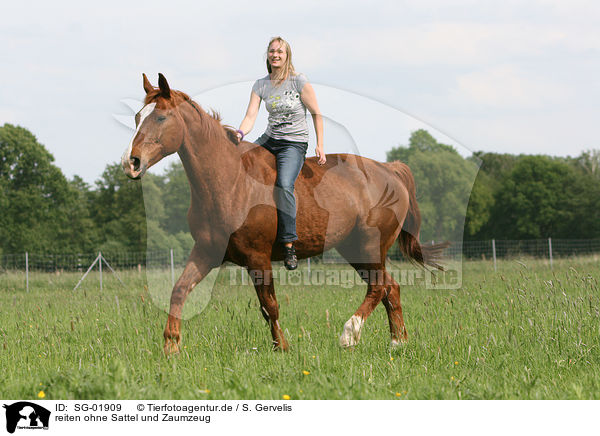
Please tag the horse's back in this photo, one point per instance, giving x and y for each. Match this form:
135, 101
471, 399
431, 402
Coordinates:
347, 180
333, 200
353, 177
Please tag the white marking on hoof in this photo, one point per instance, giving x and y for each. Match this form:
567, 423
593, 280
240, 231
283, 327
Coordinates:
396, 343
351, 334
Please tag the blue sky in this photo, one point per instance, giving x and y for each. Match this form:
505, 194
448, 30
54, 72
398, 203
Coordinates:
508, 77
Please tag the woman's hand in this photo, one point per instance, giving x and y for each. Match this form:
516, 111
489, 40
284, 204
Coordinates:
321, 155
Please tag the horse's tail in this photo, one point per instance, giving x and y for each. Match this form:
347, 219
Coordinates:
408, 239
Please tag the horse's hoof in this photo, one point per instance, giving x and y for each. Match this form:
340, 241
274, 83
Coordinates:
347, 343
171, 349
284, 347
395, 343
351, 334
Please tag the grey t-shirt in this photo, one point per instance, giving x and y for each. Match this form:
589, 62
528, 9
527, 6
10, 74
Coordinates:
287, 113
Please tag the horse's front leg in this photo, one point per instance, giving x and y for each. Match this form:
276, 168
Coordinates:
196, 269
261, 272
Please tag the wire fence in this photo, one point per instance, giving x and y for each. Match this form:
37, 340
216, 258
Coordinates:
469, 250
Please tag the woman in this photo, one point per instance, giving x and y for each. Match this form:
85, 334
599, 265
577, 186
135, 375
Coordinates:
287, 95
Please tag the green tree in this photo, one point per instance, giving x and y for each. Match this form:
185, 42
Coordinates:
118, 211
589, 162
543, 197
155, 194
481, 202
494, 168
176, 200
444, 180
36, 200
81, 235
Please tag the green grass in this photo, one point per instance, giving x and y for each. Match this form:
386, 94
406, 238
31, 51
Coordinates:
525, 332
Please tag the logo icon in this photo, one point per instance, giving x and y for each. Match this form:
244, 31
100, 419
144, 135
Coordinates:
26, 415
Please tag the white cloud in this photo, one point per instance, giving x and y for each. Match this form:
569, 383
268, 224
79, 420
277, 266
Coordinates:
70, 65
441, 43
506, 86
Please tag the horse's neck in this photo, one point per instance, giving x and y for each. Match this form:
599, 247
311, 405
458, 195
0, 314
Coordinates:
210, 161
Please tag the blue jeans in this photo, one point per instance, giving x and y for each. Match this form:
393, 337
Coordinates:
289, 158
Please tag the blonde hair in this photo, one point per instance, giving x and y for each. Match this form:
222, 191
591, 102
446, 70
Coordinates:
288, 68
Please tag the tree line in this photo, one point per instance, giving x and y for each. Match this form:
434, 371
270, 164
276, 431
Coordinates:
41, 211
502, 196
483, 196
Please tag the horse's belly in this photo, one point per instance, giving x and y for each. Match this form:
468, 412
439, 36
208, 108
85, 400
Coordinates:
323, 227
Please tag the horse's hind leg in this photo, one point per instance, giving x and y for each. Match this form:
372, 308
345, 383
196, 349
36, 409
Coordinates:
391, 301
261, 274
195, 270
374, 275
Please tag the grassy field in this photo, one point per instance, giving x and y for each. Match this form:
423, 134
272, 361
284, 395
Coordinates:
525, 332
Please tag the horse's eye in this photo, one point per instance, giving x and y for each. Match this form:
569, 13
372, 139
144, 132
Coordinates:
161, 118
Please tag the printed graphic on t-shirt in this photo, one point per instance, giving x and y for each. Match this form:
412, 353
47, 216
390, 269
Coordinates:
287, 113
280, 108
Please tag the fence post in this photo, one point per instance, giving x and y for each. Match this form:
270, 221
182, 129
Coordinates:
550, 250
494, 253
27, 270
308, 266
172, 270
100, 265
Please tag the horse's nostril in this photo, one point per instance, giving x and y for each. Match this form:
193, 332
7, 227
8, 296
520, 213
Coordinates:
135, 163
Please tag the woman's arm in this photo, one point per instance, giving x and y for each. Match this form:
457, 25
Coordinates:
309, 98
251, 114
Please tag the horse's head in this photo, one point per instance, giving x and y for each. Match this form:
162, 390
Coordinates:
159, 129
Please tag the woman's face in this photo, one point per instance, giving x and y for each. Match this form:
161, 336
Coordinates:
276, 54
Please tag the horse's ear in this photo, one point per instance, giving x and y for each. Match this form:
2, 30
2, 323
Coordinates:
165, 91
147, 86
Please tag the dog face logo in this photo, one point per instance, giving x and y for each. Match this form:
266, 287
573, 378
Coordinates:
26, 415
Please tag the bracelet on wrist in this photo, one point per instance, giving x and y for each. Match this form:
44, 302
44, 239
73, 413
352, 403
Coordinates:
241, 133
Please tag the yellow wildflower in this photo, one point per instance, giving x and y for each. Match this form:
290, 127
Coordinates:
41, 394
286, 397
305, 372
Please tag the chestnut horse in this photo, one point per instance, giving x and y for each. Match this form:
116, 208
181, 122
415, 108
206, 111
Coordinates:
355, 204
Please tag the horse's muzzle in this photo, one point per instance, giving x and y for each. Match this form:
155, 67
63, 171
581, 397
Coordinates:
134, 167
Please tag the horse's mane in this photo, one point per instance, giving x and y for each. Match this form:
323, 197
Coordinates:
211, 122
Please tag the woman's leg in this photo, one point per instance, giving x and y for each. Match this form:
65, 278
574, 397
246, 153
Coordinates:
290, 159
